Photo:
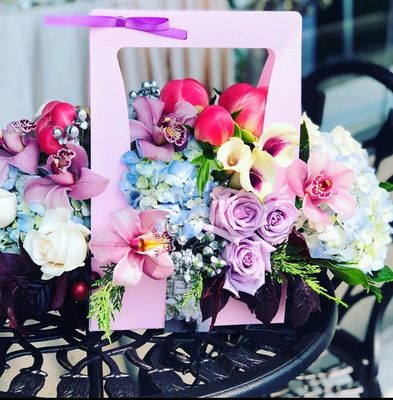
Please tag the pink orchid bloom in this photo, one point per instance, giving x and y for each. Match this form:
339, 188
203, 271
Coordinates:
68, 176
158, 134
138, 244
322, 182
18, 149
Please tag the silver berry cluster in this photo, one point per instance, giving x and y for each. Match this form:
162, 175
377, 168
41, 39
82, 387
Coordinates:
72, 132
148, 88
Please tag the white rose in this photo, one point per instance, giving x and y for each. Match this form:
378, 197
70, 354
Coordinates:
8, 205
59, 245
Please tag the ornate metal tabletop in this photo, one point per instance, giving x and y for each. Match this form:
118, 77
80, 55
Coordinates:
229, 361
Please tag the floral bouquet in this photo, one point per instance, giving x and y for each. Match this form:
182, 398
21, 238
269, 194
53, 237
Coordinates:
218, 205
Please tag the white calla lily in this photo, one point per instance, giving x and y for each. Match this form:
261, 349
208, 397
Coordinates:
8, 206
280, 140
259, 176
234, 154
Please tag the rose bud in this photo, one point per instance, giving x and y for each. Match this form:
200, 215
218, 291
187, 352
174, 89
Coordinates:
180, 90
251, 103
214, 125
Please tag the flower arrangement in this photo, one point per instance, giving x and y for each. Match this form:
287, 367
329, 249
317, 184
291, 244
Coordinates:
219, 205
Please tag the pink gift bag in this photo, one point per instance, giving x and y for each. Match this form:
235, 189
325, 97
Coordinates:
278, 32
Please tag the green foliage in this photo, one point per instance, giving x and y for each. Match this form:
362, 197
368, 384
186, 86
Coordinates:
351, 276
237, 132
203, 175
290, 260
376, 291
383, 275
195, 292
387, 186
105, 301
322, 291
248, 137
304, 149
236, 113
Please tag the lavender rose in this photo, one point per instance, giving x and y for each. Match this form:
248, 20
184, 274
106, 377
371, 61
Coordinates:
247, 264
240, 213
281, 215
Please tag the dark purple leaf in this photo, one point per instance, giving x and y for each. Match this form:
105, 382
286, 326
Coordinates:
267, 300
214, 298
60, 291
39, 296
296, 239
304, 302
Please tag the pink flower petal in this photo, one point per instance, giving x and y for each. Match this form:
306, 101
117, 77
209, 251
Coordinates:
27, 159
3, 169
36, 189
342, 203
185, 112
296, 176
342, 177
318, 162
90, 185
108, 247
153, 152
57, 198
158, 268
314, 213
128, 272
81, 159
148, 111
138, 130
127, 224
150, 218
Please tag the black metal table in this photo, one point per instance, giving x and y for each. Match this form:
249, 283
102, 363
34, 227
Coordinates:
228, 362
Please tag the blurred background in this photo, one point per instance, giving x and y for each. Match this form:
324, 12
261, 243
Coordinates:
39, 63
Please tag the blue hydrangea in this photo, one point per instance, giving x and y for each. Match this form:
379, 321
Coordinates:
10, 181
169, 186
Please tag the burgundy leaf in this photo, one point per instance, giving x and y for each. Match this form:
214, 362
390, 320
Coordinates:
296, 239
304, 302
60, 291
267, 300
214, 298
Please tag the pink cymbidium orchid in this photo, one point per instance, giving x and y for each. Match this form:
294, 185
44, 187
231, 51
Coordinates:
68, 176
138, 244
157, 135
18, 149
322, 182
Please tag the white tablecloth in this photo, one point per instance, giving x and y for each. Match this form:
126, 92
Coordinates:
40, 63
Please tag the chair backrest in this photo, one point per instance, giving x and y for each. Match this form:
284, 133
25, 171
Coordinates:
313, 100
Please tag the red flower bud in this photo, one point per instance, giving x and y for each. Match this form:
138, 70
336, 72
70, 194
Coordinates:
188, 89
214, 125
251, 101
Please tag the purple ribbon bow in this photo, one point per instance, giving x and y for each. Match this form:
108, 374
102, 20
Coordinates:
156, 25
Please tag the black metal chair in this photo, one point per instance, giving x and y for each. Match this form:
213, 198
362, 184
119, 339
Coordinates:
350, 367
